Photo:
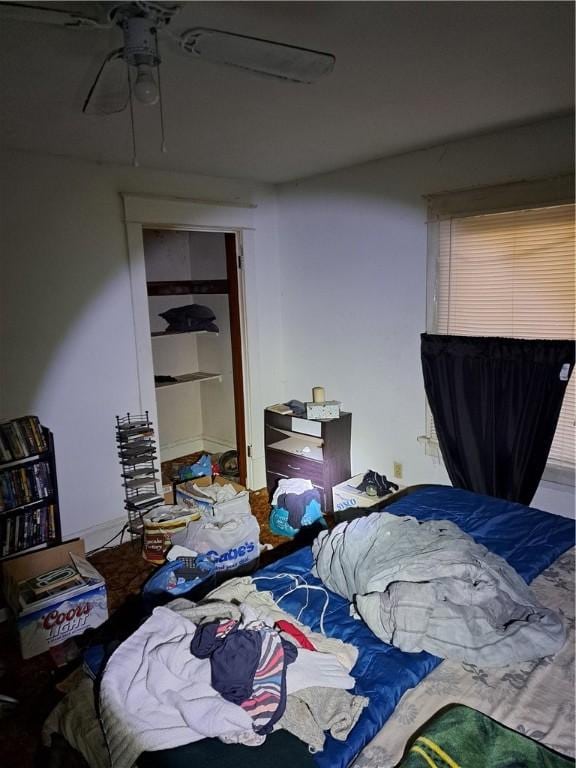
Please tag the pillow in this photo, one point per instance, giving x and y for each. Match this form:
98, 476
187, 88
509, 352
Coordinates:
192, 317
190, 311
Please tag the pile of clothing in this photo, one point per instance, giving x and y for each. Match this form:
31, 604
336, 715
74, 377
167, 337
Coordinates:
295, 503
216, 492
376, 485
428, 586
235, 667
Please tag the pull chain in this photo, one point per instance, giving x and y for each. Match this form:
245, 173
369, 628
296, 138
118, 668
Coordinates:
163, 147
135, 162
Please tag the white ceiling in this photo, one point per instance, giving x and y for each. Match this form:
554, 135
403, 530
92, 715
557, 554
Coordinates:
407, 75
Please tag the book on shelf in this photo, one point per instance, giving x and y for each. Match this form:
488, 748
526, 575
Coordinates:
134, 433
133, 424
281, 408
28, 528
144, 500
133, 460
140, 482
5, 453
131, 474
24, 484
135, 446
20, 438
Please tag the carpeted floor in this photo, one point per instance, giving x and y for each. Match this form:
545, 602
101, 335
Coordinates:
34, 682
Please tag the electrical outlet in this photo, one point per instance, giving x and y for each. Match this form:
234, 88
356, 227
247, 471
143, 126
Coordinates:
398, 470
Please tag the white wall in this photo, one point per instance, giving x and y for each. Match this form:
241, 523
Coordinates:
353, 290
179, 409
67, 349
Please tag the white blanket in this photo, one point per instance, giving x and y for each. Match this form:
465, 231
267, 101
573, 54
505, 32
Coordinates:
155, 694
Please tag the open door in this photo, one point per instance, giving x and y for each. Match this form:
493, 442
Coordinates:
236, 339
235, 225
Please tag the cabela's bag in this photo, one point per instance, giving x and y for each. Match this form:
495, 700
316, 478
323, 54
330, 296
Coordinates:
228, 540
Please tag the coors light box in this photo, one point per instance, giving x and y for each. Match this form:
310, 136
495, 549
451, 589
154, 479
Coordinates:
56, 612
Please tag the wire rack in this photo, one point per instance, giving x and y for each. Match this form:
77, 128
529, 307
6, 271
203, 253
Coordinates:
138, 461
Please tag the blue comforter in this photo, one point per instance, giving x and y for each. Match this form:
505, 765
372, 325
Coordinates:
529, 539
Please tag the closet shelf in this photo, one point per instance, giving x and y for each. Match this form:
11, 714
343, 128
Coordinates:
185, 287
186, 378
157, 334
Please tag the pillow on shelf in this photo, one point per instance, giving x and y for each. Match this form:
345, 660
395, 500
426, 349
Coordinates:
192, 317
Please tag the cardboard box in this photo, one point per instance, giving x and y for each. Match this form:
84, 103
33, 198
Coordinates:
346, 496
187, 496
61, 617
328, 410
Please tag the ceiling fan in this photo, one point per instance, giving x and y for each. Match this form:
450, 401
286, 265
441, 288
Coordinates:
139, 57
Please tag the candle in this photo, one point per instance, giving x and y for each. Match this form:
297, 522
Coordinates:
318, 395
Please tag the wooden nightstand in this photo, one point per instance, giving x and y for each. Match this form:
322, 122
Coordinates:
318, 451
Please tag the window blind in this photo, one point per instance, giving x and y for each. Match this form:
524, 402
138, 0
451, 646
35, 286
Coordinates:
510, 274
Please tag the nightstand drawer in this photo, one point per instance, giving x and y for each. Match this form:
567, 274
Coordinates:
289, 465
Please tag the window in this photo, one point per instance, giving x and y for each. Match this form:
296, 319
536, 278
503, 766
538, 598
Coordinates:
507, 270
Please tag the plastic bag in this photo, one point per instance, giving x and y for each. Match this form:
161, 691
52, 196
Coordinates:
167, 579
229, 541
278, 523
202, 468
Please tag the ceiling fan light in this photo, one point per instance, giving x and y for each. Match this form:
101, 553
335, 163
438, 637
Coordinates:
145, 87
286, 62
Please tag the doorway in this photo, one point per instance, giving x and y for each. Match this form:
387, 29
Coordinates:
237, 222
195, 324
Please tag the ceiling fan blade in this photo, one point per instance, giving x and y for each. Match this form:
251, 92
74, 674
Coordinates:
266, 57
110, 90
42, 14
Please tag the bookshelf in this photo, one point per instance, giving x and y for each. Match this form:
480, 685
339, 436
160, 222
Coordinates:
29, 510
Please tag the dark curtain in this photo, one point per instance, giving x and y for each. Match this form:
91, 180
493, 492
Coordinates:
496, 404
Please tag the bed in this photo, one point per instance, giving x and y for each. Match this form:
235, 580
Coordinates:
406, 689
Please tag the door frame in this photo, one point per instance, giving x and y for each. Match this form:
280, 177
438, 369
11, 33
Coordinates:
236, 222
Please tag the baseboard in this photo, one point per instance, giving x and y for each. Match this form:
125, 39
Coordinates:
99, 535
215, 445
179, 448
197, 443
